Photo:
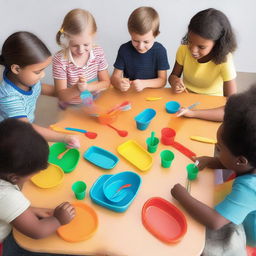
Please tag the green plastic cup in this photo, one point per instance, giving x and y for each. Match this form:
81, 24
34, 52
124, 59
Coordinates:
152, 147
192, 171
167, 157
79, 188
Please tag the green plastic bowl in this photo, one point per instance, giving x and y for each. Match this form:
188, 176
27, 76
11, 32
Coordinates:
69, 161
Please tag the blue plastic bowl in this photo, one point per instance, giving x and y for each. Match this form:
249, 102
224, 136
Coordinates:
97, 195
172, 107
143, 119
111, 186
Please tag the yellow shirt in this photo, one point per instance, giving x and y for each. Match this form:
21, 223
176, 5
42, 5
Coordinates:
204, 78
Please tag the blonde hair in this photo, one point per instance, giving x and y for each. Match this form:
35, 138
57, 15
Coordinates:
75, 22
144, 19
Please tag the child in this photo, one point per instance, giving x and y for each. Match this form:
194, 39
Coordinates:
80, 66
24, 153
141, 63
206, 61
25, 57
237, 151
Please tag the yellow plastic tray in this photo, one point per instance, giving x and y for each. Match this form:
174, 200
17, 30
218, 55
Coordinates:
136, 154
48, 178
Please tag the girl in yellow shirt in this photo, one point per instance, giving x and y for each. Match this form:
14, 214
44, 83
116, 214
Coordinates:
205, 60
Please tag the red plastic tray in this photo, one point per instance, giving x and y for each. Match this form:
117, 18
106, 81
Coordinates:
164, 220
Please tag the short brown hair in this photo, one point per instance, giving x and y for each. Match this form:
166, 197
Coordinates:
144, 19
75, 22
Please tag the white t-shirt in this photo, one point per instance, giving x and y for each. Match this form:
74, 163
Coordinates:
13, 203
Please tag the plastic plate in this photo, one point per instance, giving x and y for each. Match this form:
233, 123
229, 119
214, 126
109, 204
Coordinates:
82, 227
101, 157
164, 220
48, 178
136, 154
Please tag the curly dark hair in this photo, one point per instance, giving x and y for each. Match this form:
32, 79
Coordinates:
23, 151
214, 25
239, 126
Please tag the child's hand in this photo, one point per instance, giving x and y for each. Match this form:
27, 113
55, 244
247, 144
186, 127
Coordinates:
138, 85
82, 84
204, 161
72, 141
42, 212
178, 85
125, 84
178, 191
65, 212
186, 112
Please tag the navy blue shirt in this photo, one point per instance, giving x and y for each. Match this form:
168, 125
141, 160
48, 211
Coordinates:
137, 65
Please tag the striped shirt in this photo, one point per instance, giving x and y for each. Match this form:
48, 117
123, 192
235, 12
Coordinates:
17, 103
64, 67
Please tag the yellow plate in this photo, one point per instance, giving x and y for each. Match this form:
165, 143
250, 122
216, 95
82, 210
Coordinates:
136, 154
153, 98
203, 139
48, 178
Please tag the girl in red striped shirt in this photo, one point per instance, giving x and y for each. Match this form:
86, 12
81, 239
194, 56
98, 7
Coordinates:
80, 66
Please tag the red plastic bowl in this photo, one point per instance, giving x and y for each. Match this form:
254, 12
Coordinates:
164, 220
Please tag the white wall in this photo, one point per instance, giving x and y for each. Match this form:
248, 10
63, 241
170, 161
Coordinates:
44, 18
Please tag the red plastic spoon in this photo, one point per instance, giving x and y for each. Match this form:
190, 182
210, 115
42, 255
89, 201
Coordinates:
90, 135
122, 133
117, 192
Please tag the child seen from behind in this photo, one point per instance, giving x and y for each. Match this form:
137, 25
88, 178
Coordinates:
23, 153
236, 146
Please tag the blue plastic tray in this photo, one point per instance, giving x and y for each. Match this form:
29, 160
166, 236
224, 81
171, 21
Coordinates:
101, 157
97, 194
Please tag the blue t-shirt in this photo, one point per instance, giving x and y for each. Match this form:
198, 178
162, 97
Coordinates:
17, 103
137, 65
240, 205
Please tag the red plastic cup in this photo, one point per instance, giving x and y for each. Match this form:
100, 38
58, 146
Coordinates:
168, 135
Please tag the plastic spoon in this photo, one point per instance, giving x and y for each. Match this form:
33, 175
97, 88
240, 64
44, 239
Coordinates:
63, 153
90, 135
123, 106
122, 133
152, 138
118, 191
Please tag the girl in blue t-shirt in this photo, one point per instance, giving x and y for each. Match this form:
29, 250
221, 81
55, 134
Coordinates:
236, 151
25, 58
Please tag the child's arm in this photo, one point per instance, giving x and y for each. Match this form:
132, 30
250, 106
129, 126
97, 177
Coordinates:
198, 210
71, 140
67, 94
229, 88
102, 84
214, 114
210, 162
30, 224
174, 79
48, 90
160, 81
119, 82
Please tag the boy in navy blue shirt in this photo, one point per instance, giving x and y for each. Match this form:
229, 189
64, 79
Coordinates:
142, 62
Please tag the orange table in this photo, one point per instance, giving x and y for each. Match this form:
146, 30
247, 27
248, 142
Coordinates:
124, 233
